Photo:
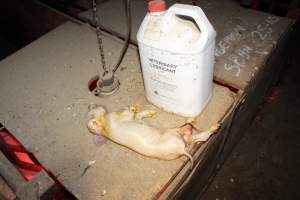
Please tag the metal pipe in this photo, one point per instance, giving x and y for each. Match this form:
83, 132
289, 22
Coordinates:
10, 174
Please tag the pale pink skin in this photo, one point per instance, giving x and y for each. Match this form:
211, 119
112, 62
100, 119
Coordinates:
127, 128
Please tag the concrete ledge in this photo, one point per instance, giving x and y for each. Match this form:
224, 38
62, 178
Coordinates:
245, 38
45, 105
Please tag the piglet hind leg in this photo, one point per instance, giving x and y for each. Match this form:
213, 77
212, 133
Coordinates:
145, 113
201, 136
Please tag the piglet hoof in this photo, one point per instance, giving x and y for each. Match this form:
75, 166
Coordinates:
134, 109
186, 129
215, 127
151, 113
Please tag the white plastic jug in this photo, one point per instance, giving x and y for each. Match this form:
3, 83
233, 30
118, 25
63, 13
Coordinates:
177, 55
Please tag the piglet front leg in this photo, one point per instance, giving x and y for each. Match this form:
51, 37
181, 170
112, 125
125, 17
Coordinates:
144, 114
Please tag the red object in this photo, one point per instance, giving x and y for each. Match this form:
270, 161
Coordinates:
258, 119
157, 6
275, 95
292, 13
18, 155
27, 164
255, 4
231, 88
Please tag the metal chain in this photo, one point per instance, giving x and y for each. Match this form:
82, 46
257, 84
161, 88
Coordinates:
98, 33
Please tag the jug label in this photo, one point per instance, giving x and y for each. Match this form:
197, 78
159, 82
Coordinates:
162, 66
161, 79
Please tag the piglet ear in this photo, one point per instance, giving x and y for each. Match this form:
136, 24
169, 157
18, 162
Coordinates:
96, 112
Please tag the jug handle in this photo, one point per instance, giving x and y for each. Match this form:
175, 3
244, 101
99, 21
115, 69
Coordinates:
207, 31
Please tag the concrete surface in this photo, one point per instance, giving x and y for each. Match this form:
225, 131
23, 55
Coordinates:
265, 164
244, 40
5, 191
45, 106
